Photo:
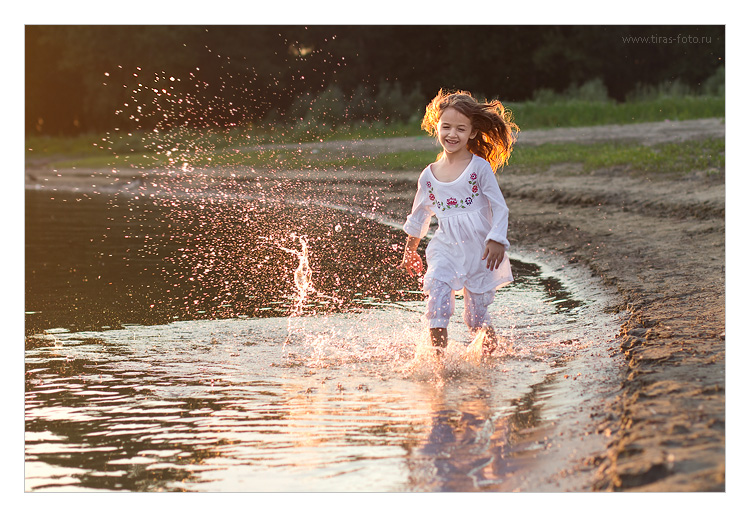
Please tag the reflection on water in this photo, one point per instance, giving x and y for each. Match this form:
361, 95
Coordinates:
160, 355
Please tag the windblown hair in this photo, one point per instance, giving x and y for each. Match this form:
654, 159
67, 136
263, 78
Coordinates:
496, 131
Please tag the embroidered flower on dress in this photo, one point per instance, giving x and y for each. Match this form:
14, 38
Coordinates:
474, 186
452, 202
432, 196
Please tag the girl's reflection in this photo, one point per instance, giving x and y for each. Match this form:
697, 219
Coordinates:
470, 446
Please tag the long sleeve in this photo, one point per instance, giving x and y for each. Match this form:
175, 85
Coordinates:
418, 221
499, 208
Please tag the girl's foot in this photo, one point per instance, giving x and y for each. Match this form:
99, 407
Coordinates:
490, 342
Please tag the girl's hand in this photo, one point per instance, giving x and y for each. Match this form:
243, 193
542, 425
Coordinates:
494, 253
411, 262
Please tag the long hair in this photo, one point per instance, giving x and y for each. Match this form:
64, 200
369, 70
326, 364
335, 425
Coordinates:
496, 131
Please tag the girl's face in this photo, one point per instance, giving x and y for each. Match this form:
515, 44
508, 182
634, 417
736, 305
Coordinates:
454, 130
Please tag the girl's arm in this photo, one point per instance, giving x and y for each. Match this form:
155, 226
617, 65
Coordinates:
418, 221
412, 262
500, 211
416, 226
496, 243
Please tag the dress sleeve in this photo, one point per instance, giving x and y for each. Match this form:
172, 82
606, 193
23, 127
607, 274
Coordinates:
499, 208
418, 221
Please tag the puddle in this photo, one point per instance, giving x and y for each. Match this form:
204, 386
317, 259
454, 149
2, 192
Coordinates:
169, 347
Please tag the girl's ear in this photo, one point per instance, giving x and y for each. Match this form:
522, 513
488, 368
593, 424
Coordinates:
473, 134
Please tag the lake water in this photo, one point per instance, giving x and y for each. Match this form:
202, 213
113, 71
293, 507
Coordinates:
218, 344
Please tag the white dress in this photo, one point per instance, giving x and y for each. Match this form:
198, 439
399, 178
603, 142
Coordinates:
470, 211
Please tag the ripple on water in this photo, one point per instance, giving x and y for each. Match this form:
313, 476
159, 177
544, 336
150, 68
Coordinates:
342, 397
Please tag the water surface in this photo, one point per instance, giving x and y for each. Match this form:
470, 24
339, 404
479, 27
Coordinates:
169, 348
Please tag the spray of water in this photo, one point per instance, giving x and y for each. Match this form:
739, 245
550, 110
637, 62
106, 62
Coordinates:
302, 275
302, 281
184, 149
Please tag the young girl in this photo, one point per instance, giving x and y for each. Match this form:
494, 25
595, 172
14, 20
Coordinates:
460, 189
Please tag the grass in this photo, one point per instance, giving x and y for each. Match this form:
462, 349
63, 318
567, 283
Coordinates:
233, 147
267, 159
706, 154
577, 113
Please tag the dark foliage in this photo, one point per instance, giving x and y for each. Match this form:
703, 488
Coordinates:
249, 73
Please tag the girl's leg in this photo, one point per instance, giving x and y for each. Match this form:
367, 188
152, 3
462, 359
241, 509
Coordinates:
441, 303
439, 338
476, 316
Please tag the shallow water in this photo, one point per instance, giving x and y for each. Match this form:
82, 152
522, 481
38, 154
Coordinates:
169, 348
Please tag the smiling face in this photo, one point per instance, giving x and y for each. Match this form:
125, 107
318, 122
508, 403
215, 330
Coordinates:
454, 131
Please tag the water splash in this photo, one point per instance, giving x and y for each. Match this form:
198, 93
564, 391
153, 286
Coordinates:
302, 280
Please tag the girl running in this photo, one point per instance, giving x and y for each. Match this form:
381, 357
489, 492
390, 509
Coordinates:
468, 250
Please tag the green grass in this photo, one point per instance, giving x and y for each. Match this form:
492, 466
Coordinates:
707, 154
576, 113
268, 159
697, 155
201, 148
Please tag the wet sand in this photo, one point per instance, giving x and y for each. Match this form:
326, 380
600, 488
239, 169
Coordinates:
658, 239
661, 243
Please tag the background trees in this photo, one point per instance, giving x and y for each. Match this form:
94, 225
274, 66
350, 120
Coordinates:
80, 78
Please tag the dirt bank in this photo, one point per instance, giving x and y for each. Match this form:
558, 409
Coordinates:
658, 239
660, 242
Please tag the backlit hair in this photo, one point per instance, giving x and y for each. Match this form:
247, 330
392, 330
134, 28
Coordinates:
496, 131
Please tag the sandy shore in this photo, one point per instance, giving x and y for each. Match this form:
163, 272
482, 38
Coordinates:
658, 239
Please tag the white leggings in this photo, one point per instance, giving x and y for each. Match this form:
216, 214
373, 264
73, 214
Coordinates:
441, 302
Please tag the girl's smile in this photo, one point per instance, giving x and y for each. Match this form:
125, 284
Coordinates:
454, 130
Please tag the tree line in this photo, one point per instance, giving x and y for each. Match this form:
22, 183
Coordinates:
95, 78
